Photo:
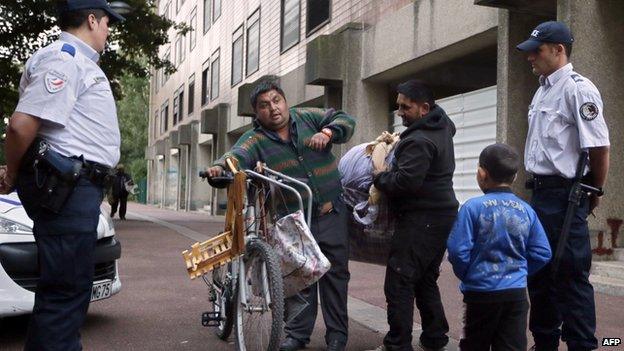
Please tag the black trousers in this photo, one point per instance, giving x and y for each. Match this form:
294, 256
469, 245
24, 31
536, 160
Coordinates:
563, 306
499, 325
416, 252
66, 246
330, 231
122, 202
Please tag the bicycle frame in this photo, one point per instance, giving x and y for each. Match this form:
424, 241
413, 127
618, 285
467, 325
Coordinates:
252, 226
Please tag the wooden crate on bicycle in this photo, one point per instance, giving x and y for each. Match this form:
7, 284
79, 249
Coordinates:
205, 256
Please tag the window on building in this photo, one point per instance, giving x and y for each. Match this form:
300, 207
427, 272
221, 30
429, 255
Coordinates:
167, 58
191, 94
164, 117
216, 10
237, 56
156, 81
180, 103
207, 13
253, 43
291, 10
317, 15
176, 108
214, 78
155, 125
205, 90
166, 10
180, 50
193, 32
176, 51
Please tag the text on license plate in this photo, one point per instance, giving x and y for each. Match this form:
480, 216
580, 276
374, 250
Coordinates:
101, 290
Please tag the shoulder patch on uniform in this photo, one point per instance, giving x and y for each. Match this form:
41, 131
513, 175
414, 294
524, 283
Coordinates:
69, 49
577, 78
589, 111
55, 81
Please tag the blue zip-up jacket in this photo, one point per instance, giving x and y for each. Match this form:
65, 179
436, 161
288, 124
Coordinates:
496, 241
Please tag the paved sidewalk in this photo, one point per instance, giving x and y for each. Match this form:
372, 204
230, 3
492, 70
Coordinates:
366, 298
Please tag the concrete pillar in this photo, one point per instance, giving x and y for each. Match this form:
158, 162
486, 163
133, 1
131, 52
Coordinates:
333, 97
597, 26
516, 84
193, 181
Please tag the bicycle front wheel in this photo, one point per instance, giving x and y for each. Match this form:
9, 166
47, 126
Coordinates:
260, 300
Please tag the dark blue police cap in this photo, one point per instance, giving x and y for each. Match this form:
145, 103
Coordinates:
74, 5
547, 32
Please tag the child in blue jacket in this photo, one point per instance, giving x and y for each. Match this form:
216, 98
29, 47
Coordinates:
497, 240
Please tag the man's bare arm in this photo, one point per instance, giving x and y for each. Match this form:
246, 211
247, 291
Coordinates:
599, 164
21, 132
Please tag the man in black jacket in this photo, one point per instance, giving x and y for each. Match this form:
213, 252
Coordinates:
420, 189
120, 192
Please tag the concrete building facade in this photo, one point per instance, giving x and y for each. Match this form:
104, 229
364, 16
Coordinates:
351, 54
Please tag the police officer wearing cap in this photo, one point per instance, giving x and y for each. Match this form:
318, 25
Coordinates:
66, 101
565, 118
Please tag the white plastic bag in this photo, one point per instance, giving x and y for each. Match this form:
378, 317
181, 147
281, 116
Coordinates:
302, 261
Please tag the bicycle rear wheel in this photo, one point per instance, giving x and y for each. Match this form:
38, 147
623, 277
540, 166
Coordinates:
224, 290
260, 300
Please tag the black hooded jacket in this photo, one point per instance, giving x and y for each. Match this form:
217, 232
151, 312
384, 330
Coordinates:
421, 176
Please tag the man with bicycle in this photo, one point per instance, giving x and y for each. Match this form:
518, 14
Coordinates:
297, 142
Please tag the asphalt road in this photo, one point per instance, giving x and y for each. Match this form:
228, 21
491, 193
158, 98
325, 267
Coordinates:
159, 307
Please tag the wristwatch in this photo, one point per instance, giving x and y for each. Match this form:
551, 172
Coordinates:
327, 132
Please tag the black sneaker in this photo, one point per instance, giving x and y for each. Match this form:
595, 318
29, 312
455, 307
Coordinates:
291, 344
422, 347
336, 345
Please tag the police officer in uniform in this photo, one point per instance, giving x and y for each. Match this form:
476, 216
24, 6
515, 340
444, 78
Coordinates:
565, 117
65, 100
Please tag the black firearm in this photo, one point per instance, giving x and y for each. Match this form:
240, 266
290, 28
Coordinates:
574, 199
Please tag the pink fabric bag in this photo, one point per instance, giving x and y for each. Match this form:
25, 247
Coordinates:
302, 261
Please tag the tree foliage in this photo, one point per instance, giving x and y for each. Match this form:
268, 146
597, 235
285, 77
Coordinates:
27, 25
133, 123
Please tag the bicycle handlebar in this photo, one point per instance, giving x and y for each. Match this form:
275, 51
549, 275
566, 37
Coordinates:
219, 182
227, 177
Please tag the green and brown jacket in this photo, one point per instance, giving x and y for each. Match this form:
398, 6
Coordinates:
294, 157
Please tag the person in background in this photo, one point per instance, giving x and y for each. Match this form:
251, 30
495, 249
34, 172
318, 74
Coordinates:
119, 189
497, 240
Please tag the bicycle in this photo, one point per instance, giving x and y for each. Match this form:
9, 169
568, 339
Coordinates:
246, 288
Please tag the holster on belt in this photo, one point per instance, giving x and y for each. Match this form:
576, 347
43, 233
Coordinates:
55, 175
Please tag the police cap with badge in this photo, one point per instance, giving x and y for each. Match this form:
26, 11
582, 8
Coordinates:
547, 32
75, 5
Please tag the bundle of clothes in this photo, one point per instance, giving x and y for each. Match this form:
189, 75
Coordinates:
372, 223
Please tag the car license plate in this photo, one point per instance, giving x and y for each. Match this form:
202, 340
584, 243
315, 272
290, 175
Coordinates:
101, 290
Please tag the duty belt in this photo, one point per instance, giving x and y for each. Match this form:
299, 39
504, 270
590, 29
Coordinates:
97, 173
537, 182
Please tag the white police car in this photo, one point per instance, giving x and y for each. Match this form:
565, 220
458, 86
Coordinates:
19, 270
